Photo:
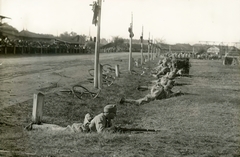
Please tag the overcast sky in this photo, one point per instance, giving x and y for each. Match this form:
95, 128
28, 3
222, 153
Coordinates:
176, 21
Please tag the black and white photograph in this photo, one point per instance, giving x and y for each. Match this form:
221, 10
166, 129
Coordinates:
120, 78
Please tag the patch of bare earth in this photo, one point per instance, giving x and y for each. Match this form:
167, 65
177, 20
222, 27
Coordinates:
203, 122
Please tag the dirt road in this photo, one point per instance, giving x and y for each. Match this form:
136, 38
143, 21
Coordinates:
21, 77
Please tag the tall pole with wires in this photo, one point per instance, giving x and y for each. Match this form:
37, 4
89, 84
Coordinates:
142, 47
149, 44
152, 45
130, 30
96, 7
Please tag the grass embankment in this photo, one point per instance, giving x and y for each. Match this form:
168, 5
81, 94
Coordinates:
203, 122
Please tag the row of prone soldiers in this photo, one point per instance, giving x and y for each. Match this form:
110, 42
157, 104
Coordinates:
165, 73
161, 88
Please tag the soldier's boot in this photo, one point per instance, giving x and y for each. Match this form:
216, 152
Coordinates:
142, 88
122, 100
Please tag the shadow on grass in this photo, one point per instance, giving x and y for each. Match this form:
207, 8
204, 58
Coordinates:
185, 93
182, 94
186, 75
181, 84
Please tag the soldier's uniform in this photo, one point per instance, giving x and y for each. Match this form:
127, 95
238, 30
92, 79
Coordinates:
101, 122
81, 127
163, 71
158, 91
75, 127
163, 68
172, 74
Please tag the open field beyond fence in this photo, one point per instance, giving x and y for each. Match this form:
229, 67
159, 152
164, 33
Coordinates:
203, 122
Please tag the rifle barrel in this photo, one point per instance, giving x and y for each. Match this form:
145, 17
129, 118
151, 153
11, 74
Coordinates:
139, 129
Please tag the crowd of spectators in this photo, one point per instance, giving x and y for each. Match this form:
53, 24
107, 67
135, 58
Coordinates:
53, 46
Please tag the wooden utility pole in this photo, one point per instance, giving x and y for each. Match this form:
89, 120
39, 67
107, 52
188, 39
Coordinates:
142, 47
100, 67
152, 48
155, 50
97, 48
159, 50
149, 44
130, 44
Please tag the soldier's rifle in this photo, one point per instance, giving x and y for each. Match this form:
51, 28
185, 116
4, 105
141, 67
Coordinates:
123, 130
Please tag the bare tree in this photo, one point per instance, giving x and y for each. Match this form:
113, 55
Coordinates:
160, 40
117, 42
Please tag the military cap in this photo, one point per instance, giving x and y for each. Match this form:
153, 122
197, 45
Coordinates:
110, 108
170, 82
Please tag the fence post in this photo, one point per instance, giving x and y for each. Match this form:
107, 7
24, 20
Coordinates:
5, 50
41, 50
38, 101
14, 50
28, 49
224, 60
22, 50
117, 70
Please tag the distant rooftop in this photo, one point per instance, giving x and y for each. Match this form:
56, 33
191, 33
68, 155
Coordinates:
3, 17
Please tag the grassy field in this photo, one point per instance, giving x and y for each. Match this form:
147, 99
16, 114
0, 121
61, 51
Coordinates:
203, 122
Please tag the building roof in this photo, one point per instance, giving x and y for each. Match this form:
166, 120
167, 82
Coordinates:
4, 17
7, 30
7, 27
233, 51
